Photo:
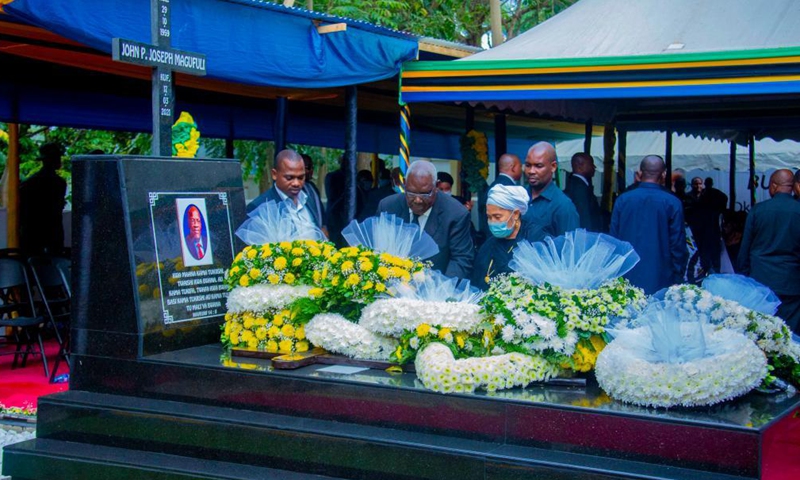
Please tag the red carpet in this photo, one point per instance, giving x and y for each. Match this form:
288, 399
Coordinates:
21, 387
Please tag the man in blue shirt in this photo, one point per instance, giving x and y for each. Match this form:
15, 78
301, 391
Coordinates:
549, 207
651, 219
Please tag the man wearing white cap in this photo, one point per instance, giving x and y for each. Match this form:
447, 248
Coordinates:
505, 207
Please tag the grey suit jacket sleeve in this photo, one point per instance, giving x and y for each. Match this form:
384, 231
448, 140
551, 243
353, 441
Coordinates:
462, 251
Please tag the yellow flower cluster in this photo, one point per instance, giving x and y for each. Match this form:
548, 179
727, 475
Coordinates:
361, 274
300, 262
586, 352
412, 341
480, 147
277, 332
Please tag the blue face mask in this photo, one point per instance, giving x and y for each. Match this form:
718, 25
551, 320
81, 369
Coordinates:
501, 229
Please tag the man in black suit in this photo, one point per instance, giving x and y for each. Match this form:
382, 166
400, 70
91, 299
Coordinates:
289, 175
509, 172
579, 189
441, 216
770, 249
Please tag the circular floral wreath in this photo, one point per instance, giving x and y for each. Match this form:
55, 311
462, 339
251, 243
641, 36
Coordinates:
736, 367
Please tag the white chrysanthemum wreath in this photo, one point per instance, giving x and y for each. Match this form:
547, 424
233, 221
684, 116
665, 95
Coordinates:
393, 316
263, 298
336, 334
735, 367
438, 370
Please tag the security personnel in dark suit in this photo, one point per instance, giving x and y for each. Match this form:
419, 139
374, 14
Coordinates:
289, 186
579, 190
770, 250
440, 216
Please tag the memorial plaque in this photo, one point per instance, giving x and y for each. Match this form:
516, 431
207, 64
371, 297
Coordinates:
154, 237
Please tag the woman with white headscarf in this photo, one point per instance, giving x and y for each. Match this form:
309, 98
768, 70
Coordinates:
505, 207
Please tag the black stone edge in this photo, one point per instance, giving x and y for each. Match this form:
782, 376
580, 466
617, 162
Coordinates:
134, 284
569, 408
486, 452
104, 456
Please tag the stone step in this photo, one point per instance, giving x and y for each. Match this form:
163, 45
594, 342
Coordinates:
315, 446
47, 459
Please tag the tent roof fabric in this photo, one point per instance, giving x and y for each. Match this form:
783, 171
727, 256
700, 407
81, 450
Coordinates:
244, 41
603, 28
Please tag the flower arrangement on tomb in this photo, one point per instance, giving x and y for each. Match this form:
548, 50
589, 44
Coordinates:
561, 297
475, 157
185, 136
270, 278
745, 306
676, 360
339, 335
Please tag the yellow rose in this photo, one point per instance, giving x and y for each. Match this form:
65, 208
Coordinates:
234, 338
335, 281
254, 273
248, 321
317, 276
302, 346
287, 331
367, 286
297, 251
297, 262
383, 272
238, 257
366, 266
423, 329
278, 319
335, 258
285, 346
460, 340
289, 278
353, 279
279, 263
273, 279
247, 335
316, 292
315, 252
380, 288
443, 333
261, 333
285, 245
251, 253
272, 346
244, 280
266, 251
324, 273
228, 326
347, 266
252, 343
261, 321
300, 333
273, 332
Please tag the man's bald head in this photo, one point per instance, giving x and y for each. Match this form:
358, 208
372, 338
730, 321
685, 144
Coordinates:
653, 169
510, 164
583, 164
287, 155
781, 181
540, 166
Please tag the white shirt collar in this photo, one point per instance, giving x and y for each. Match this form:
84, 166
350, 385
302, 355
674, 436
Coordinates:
301, 199
423, 219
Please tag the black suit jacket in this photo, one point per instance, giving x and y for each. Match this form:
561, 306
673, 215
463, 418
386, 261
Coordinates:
591, 217
449, 226
313, 203
770, 249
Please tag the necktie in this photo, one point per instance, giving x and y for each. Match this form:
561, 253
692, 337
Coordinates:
415, 220
200, 250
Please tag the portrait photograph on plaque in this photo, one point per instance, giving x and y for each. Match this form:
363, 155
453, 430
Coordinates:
196, 248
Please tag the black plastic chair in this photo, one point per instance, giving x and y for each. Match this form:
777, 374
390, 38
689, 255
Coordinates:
52, 287
18, 318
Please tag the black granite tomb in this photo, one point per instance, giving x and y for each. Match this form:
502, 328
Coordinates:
152, 394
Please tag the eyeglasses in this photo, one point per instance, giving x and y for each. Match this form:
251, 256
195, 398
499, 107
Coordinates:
423, 196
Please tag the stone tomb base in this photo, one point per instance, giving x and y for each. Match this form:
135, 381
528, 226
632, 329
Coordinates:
191, 414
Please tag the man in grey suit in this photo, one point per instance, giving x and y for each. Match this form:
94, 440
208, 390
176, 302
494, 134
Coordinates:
289, 176
579, 189
770, 250
440, 216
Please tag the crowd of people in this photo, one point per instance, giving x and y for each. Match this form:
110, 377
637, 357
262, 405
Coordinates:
659, 223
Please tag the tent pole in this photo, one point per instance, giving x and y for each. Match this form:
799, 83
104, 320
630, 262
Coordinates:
12, 179
350, 148
280, 124
229, 150
732, 177
470, 120
609, 140
668, 161
405, 140
587, 137
751, 143
622, 161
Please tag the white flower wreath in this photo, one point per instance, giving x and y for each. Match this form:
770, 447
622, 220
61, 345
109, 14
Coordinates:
263, 298
633, 367
336, 334
392, 316
438, 370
